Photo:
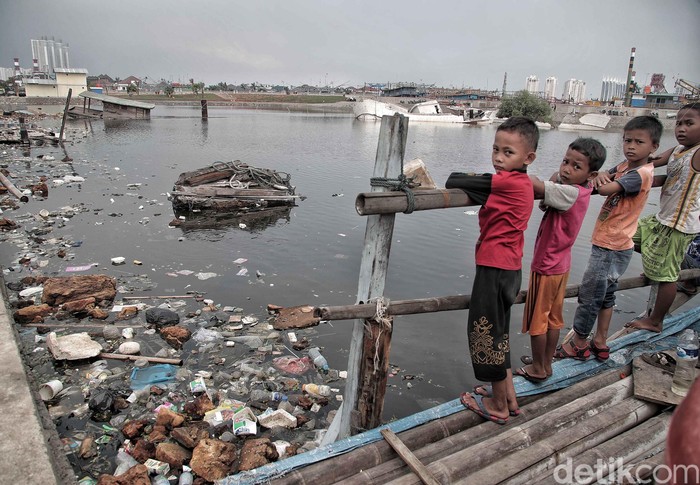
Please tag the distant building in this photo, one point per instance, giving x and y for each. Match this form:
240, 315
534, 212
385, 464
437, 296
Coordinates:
6, 73
574, 91
50, 54
612, 89
550, 88
65, 79
532, 84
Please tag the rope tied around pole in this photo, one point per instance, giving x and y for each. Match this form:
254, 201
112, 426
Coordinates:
385, 322
402, 183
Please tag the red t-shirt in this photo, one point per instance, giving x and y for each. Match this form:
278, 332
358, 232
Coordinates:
507, 199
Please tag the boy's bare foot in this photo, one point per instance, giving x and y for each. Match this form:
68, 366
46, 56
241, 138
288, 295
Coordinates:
645, 323
529, 371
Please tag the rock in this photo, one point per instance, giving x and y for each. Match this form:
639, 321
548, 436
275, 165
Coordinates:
98, 314
111, 333
143, 450
166, 417
127, 312
79, 307
213, 459
7, 224
159, 433
256, 453
199, 406
130, 348
63, 289
175, 335
173, 454
134, 428
88, 447
75, 346
32, 313
160, 317
136, 475
190, 436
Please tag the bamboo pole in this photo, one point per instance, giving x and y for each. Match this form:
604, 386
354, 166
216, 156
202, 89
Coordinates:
522, 466
156, 297
459, 302
158, 360
413, 463
434, 440
375, 260
367, 204
391, 202
472, 450
625, 447
12, 189
65, 115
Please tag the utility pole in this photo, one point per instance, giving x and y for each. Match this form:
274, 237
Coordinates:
630, 79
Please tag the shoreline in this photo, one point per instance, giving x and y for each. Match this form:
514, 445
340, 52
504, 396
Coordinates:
564, 113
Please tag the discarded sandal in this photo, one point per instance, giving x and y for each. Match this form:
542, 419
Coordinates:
578, 353
600, 353
486, 390
522, 372
481, 409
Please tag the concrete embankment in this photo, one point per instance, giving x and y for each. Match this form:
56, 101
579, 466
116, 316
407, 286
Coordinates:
31, 450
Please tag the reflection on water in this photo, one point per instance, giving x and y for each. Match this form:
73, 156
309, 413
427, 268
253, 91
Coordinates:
251, 221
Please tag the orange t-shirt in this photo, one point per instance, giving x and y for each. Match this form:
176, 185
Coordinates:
617, 221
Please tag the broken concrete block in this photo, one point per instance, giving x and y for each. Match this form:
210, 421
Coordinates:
256, 453
72, 347
58, 291
212, 459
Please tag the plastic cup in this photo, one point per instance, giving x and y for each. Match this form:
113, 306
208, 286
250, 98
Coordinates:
49, 390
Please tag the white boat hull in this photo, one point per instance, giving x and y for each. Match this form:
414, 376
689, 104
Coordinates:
370, 109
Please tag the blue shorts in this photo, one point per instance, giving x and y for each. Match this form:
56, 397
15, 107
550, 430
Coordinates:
597, 290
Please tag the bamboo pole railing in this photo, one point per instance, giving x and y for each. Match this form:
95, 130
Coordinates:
11, 188
458, 302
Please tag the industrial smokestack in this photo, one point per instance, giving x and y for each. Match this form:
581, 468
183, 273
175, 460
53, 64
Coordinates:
35, 67
630, 78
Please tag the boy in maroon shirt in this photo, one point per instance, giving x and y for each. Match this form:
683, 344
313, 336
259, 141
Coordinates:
506, 198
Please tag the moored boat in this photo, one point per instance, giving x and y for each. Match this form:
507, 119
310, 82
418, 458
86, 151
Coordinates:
587, 122
425, 112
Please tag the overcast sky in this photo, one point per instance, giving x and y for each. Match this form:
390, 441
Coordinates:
451, 43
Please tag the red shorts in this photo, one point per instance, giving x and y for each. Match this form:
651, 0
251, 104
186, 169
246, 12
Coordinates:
544, 303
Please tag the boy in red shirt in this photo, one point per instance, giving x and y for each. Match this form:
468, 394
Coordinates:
506, 198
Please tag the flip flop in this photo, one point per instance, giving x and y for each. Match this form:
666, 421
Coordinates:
481, 409
523, 373
488, 392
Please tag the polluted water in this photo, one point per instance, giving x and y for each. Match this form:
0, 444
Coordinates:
166, 388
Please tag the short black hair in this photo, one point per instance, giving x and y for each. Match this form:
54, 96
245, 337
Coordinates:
649, 124
694, 105
592, 149
523, 126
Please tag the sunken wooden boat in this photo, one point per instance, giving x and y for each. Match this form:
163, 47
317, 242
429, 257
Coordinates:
232, 186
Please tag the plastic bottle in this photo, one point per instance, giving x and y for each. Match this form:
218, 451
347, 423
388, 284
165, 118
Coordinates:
263, 396
186, 478
687, 359
160, 480
319, 360
317, 390
124, 462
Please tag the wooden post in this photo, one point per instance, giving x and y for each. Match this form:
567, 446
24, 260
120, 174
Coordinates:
23, 134
65, 115
373, 267
205, 112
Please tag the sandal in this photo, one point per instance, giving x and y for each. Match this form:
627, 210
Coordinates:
684, 289
601, 353
488, 392
579, 353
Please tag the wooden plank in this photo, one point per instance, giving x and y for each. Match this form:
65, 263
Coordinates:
652, 383
375, 255
406, 455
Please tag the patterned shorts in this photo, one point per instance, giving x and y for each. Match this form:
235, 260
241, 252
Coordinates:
663, 249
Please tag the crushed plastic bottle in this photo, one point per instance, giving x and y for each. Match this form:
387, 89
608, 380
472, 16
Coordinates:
687, 359
264, 396
318, 359
124, 462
